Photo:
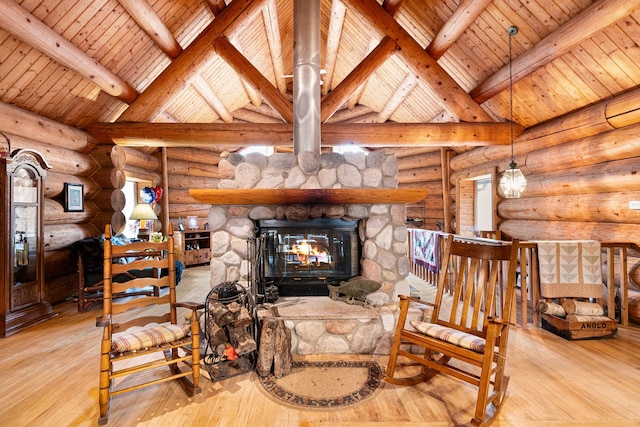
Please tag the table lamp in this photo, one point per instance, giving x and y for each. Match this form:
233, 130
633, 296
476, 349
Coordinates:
143, 211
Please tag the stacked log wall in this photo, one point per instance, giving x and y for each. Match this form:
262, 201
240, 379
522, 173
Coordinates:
581, 169
190, 168
421, 167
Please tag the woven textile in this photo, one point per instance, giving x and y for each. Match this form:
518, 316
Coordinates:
149, 337
450, 335
571, 269
425, 245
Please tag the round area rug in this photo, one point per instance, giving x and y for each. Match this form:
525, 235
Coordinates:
325, 384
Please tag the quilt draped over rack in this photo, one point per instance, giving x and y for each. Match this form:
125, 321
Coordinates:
570, 269
425, 244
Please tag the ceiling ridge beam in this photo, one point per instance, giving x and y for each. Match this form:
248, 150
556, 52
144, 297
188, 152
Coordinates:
450, 94
583, 26
29, 29
176, 76
254, 77
357, 77
148, 20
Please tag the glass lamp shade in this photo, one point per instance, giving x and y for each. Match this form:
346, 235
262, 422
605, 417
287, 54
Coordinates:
512, 182
143, 211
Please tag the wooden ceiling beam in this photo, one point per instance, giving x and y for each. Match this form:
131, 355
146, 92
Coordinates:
401, 93
270, 17
338, 96
35, 33
216, 6
391, 6
251, 116
147, 19
253, 95
176, 76
254, 77
336, 24
464, 15
345, 114
333, 134
203, 88
450, 94
590, 21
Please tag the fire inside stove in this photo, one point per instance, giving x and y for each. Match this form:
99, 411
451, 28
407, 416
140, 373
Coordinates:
301, 258
307, 252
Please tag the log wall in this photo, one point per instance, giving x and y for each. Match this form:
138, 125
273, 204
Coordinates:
190, 168
579, 183
421, 167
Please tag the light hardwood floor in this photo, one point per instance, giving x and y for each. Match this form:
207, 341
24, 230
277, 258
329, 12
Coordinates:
49, 377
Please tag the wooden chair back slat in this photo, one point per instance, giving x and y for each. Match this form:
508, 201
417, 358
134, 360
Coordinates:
477, 288
140, 321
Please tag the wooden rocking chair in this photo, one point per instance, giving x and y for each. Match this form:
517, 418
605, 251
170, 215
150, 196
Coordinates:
470, 322
149, 324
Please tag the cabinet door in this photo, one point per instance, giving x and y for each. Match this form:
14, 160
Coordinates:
26, 287
205, 255
191, 257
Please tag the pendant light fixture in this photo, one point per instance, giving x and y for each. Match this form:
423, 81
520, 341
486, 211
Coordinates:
512, 182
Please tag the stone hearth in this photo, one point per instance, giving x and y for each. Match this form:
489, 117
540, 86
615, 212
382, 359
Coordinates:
382, 232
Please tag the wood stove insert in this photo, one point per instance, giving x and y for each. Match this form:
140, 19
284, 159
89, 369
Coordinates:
301, 258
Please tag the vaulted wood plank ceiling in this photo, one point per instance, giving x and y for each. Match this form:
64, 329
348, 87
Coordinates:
409, 69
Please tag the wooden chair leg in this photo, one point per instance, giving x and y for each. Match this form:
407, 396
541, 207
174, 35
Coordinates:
105, 382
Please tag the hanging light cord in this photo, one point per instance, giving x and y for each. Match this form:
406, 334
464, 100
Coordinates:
513, 30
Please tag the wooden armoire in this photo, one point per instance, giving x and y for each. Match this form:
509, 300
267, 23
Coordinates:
22, 242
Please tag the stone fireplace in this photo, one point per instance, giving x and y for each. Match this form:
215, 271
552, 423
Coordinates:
381, 231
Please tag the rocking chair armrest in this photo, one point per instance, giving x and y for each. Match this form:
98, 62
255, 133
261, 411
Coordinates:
103, 320
416, 300
497, 321
193, 306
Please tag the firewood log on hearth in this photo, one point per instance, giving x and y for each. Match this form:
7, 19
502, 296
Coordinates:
275, 348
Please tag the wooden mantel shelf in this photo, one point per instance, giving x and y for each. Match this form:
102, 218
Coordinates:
286, 196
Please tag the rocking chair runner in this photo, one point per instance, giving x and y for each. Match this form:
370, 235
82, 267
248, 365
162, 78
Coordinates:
475, 330
153, 321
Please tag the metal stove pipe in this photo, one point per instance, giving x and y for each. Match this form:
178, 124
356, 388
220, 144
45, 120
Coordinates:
306, 76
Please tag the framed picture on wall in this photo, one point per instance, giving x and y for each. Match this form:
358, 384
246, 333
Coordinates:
193, 222
73, 197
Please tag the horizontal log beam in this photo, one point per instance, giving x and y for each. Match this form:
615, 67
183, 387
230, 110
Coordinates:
259, 196
333, 134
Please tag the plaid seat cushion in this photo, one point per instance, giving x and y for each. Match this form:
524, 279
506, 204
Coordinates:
450, 335
149, 337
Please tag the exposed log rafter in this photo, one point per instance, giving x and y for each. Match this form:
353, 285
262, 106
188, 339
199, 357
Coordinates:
451, 95
464, 15
176, 76
252, 75
270, 17
594, 19
147, 19
332, 102
34, 32
338, 12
